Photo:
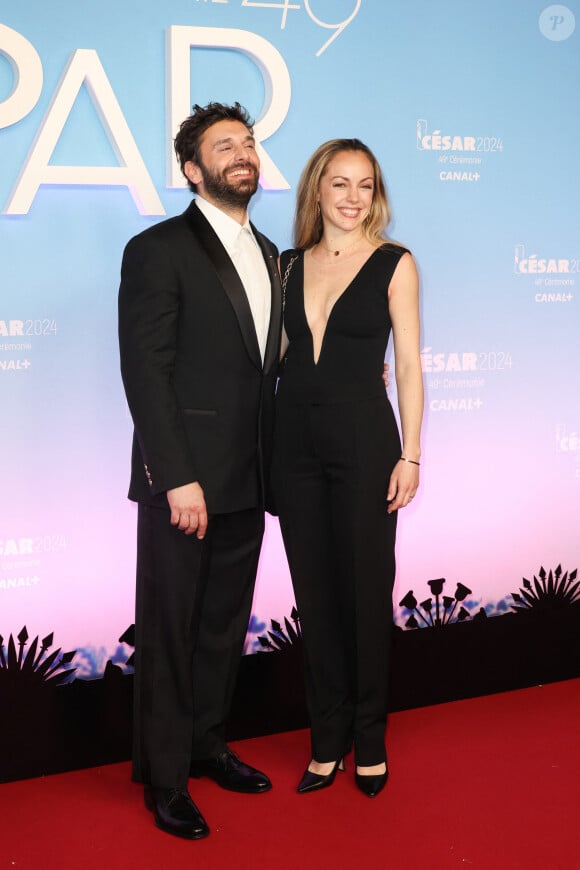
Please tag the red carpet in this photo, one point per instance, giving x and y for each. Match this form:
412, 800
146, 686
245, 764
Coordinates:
488, 783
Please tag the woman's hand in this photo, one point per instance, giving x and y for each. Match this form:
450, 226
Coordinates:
402, 485
386, 375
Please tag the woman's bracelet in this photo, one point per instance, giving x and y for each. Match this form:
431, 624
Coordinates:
412, 461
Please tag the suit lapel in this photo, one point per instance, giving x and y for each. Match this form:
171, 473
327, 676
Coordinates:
273, 341
229, 278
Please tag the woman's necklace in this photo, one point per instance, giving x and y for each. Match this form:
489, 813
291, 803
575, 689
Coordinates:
341, 250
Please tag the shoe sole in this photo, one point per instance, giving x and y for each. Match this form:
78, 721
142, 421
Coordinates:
183, 836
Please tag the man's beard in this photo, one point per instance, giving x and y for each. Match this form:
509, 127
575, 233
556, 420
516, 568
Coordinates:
223, 191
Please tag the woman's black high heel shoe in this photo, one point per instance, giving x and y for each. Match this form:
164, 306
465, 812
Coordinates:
371, 784
315, 781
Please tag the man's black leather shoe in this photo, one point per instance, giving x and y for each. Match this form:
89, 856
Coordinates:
175, 812
231, 773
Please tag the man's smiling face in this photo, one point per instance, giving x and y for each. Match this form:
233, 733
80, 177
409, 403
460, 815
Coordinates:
228, 168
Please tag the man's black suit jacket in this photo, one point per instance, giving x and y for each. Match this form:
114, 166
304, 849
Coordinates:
200, 398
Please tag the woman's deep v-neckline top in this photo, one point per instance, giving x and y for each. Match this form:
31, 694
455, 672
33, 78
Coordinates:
352, 352
334, 304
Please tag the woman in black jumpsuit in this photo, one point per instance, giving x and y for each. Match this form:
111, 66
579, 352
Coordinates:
339, 472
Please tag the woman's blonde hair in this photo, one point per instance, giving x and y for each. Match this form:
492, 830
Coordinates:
308, 220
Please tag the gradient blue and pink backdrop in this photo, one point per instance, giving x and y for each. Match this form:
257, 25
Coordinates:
473, 111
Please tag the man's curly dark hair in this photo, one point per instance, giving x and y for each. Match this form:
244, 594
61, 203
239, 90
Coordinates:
191, 130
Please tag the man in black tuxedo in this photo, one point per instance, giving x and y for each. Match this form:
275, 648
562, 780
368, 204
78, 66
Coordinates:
199, 332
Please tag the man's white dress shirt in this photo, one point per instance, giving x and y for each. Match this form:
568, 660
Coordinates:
241, 245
